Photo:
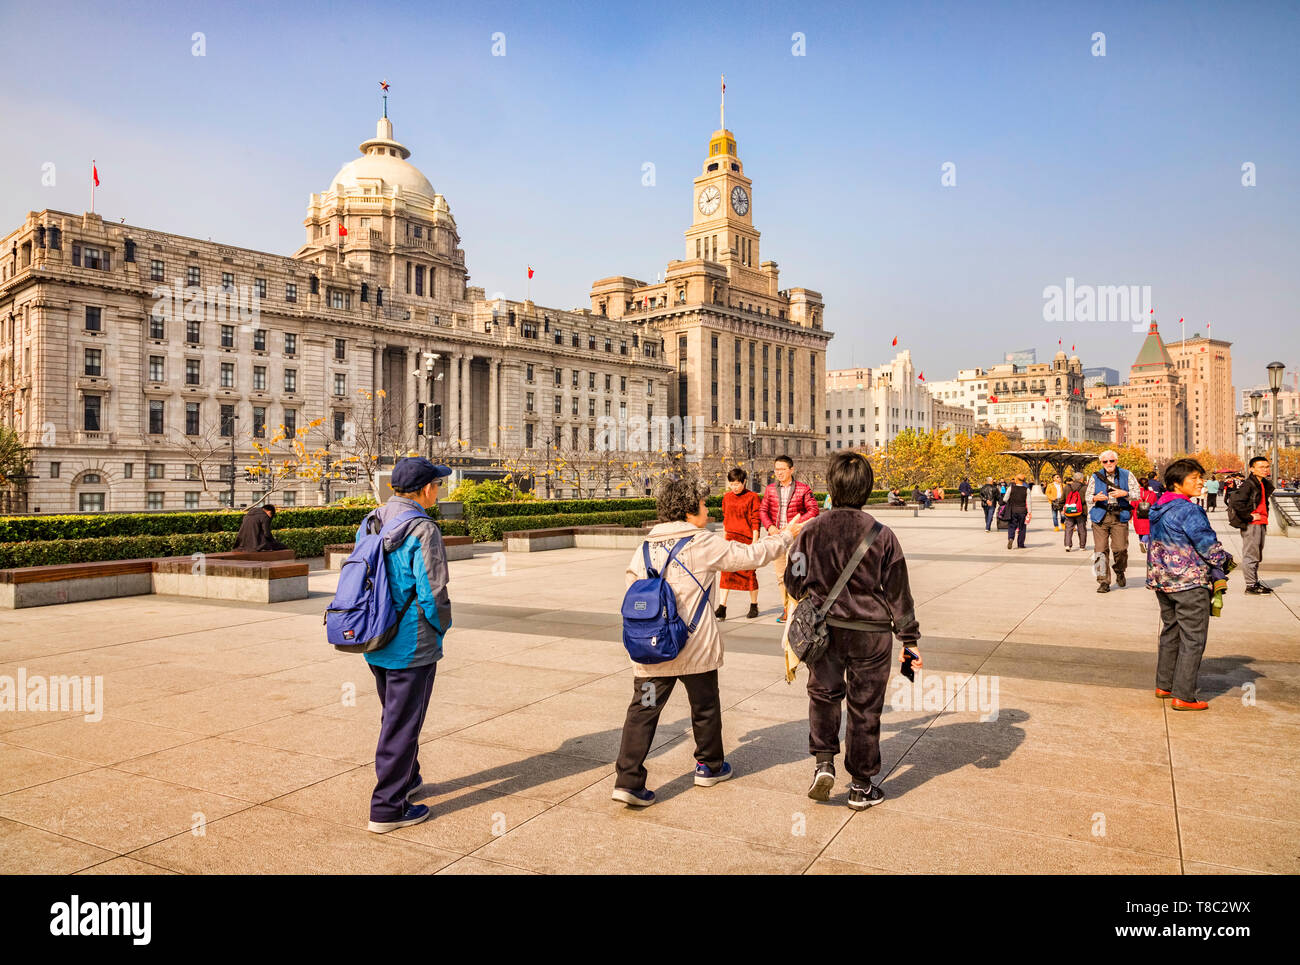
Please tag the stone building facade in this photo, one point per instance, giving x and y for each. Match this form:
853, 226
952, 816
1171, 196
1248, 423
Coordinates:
144, 367
1152, 404
866, 408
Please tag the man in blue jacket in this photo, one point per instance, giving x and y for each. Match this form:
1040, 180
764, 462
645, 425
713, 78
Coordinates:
404, 669
1112, 492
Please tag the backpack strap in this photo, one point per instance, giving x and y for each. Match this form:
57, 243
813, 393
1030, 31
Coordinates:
847, 572
672, 555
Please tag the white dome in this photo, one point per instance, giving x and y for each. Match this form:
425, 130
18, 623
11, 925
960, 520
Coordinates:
383, 159
392, 171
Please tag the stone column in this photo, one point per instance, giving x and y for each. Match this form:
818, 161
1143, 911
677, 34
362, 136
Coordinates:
494, 415
453, 398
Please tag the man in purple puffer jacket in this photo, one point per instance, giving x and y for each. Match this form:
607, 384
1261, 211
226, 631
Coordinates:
1184, 556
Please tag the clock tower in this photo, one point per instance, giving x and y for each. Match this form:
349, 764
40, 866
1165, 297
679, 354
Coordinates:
722, 228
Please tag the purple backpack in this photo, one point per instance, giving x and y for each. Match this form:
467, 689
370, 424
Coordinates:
362, 617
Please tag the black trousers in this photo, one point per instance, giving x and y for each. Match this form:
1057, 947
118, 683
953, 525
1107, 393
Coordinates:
404, 695
649, 695
857, 666
965, 502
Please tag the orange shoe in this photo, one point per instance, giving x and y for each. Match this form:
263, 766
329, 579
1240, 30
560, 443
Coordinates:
1162, 694
1189, 704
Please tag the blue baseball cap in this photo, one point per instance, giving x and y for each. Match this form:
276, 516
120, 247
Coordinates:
414, 473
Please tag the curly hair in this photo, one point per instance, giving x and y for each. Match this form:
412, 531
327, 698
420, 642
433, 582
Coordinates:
679, 496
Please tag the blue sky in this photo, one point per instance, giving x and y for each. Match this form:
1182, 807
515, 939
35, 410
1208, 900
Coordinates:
1122, 169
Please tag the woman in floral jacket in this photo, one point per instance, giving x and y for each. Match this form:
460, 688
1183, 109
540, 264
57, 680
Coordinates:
1184, 557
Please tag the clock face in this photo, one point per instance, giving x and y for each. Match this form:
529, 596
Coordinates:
710, 198
739, 200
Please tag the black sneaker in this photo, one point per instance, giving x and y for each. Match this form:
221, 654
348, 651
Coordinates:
862, 796
1103, 587
720, 613
753, 611
1119, 580
1263, 588
823, 781
1009, 542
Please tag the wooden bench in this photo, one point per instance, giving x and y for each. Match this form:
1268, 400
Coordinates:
457, 547
30, 586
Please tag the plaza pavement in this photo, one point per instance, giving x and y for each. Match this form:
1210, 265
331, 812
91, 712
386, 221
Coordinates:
232, 720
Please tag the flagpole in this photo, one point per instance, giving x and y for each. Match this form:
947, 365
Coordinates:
92, 185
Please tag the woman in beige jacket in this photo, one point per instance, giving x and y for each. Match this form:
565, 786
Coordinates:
680, 503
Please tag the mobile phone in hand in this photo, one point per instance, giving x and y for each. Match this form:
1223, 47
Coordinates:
908, 656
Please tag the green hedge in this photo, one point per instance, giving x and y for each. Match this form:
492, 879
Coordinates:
490, 530
552, 506
100, 525
306, 542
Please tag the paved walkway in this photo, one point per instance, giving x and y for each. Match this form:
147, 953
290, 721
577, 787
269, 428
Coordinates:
235, 741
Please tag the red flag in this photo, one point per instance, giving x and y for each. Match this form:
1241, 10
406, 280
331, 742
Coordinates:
921, 376
1076, 391
94, 172
895, 342
993, 398
530, 271
383, 85
1071, 348
343, 232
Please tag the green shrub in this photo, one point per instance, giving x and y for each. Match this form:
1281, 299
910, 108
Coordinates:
99, 525
489, 530
488, 491
552, 506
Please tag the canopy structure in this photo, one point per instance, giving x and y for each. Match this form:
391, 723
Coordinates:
1063, 461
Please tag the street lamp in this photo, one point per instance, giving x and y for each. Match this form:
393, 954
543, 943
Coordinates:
1275, 370
430, 359
231, 425
1256, 398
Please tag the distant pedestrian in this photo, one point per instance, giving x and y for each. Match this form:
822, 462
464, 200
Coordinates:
1055, 492
921, 497
740, 524
965, 491
876, 604
1074, 512
1211, 493
1183, 560
1248, 513
1112, 492
1141, 518
990, 500
785, 500
1020, 505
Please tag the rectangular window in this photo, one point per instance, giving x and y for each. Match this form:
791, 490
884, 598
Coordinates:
575, 378
290, 292
54, 469
259, 378
558, 376
290, 343
156, 270
90, 413
227, 336
289, 498
94, 319
259, 422
559, 405
227, 375
192, 371
591, 381
622, 383
157, 416
93, 361
90, 502
528, 373
528, 401
608, 379
192, 419
340, 349
290, 423
591, 407
609, 345
528, 435
259, 286
291, 380
192, 276
157, 368
419, 279
191, 470
336, 299
192, 333
575, 405
339, 423
340, 384
227, 281
227, 420
157, 328
191, 500
154, 500
259, 340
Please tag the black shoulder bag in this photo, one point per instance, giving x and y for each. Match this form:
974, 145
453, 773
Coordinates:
808, 636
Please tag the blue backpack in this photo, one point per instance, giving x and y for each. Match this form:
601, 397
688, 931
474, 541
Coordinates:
362, 617
653, 632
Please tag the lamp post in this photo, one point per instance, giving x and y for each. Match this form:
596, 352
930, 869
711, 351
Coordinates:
548, 467
1275, 370
750, 443
430, 360
231, 424
1256, 398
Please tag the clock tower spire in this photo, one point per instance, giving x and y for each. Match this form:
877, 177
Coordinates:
722, 228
